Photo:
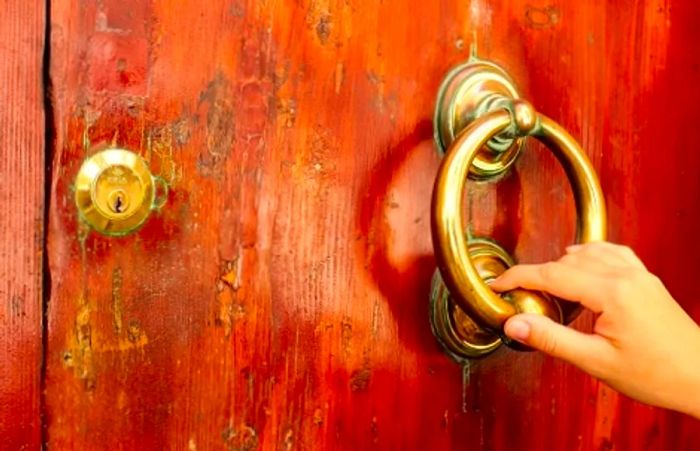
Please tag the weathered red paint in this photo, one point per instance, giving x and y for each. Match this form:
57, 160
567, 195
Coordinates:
22, 136
279, 300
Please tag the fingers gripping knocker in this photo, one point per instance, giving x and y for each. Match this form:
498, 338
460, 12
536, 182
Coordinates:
480, 125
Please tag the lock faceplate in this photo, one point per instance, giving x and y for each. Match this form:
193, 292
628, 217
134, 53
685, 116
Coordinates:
115, 191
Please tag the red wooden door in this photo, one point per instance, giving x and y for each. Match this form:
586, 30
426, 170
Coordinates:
279, 300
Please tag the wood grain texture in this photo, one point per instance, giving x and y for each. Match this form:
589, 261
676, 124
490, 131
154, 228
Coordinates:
21, 222
279, 300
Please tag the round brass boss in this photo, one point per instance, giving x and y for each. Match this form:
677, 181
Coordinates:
456, 331
465, 94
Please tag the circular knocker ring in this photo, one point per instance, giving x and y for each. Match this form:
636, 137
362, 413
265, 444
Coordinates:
466, 267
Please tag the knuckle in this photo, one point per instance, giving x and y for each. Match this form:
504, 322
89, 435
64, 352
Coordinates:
595, 246
595, 252
569, 259
548, 343
624, 284
626, 252
655, 280
600, 366
548, 271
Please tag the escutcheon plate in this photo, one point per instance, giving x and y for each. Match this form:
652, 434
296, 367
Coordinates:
468, 91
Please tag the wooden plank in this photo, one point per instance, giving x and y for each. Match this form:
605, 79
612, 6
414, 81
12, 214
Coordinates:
279, 299
21, 222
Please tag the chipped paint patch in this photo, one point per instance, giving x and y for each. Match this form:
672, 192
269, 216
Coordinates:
339, 76
289, 439
161, 141
227, 310
117, 300
80, 356
323, 28
216, 103
360, 379
242, 438
541, 17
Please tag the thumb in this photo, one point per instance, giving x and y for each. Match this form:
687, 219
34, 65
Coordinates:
583, 350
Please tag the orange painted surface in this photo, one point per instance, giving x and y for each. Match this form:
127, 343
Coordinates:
21, 222
279, 299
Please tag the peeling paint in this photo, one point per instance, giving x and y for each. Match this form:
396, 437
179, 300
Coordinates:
161, 141
289, 439
323, 28
544, 17
117, 300
318, 417
228, 311
360, 379
243, 438
339, 76
287, 112
216, 102
346, 337
374, 427
82, 357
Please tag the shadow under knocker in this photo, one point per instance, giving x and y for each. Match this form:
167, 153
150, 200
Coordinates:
402, 268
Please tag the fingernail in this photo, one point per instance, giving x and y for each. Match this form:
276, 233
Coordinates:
517, 330
493, 283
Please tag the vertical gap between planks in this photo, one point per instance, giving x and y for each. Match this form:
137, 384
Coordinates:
49, 144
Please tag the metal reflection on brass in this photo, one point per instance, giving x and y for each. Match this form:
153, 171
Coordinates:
480, 125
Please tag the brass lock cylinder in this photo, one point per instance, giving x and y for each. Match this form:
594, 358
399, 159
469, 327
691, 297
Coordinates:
115, 192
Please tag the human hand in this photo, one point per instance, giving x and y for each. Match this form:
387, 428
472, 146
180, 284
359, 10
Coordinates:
643, 344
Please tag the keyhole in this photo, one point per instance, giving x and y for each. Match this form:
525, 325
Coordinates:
118, 201
118, 204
